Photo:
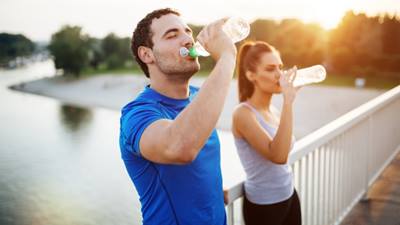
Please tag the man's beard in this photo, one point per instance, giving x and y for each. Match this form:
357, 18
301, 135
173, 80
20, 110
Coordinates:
182, 70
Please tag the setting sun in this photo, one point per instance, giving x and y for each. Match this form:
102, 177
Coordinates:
329, 19
327, 14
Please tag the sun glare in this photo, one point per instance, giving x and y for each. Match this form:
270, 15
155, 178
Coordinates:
327, 14
330, 20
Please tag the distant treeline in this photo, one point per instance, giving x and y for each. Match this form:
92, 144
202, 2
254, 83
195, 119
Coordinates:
13, 46
366, 45
74, 51
359, 45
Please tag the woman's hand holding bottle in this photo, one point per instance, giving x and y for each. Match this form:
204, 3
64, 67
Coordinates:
286, 82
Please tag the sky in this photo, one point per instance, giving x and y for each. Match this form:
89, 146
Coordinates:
39, 19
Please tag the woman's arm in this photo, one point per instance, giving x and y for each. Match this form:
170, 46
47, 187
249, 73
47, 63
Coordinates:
245, 125
275, 149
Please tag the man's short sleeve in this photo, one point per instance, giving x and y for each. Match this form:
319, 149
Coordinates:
133, 123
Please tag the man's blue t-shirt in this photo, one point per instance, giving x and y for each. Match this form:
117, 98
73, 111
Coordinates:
171, 194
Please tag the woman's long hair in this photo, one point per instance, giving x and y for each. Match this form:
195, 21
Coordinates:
248, 58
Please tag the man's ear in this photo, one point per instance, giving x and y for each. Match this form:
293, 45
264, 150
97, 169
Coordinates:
146, 54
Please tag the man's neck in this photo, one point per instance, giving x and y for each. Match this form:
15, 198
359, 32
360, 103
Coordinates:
173, 88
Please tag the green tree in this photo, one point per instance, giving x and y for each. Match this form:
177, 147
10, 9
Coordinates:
263, 30
390, 44
299, 44
14, 45
116, 51
354, 43
96, 54
391, 35
70, 49
363, 45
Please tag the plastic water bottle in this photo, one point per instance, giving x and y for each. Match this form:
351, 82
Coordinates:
313, 74
236, 28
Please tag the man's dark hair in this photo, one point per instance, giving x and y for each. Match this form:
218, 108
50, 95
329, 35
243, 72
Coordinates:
142, 34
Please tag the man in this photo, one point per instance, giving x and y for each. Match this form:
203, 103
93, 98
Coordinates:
168, 141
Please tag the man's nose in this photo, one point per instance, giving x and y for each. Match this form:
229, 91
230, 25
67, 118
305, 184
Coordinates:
187, 40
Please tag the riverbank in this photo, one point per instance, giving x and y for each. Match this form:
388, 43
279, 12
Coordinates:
315, 105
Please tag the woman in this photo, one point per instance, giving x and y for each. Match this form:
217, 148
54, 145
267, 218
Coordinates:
262, 139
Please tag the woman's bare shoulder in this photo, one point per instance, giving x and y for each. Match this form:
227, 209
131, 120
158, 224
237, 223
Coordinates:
241, 110
241, 115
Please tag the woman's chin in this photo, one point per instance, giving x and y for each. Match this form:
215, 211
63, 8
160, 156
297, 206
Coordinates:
278, 90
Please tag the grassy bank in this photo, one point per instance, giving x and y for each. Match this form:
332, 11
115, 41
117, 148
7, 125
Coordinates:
370, 81
118, 71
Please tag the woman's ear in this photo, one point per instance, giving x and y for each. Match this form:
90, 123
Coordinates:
146, 54
250, 75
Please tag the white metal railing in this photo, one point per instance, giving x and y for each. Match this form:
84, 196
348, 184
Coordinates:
334, 166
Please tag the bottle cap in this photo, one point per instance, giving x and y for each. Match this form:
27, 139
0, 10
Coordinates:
184, 52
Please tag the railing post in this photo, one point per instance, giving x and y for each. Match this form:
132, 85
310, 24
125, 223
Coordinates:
230, 215
367, 159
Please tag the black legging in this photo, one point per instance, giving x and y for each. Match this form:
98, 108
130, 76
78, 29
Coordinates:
282, 213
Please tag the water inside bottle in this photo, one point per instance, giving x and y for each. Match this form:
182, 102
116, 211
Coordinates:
235, 27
